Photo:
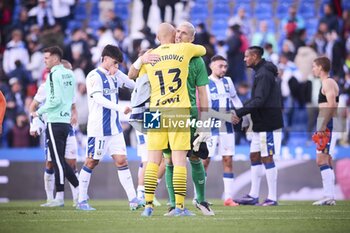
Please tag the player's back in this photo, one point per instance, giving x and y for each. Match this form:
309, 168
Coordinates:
168, 76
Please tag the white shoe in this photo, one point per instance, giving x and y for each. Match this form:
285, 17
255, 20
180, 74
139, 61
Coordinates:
325, 201
46, 204
56, 203
205, 208
171, 212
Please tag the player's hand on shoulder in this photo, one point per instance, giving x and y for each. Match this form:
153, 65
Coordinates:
149, 57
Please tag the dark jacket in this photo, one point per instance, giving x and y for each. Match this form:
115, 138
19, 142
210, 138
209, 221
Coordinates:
265, 104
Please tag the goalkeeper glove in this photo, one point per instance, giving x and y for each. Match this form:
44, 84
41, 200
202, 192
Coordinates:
321, 139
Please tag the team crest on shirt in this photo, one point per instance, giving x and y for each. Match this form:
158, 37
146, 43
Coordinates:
108, 91
270, 152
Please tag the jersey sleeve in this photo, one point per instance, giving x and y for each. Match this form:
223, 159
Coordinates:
40, 95
195, 50
201, 75
236, 101
124, 80
93, 85
233, 92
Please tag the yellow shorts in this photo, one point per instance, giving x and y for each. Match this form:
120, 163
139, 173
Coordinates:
176, 140
172, 134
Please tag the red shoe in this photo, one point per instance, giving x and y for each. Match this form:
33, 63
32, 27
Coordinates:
230, 202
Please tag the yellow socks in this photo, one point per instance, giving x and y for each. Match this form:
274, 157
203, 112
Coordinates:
179, 183
150, 181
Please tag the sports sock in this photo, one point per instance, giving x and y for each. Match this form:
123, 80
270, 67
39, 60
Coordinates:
228, 185
198, 177
150, 182
141, 192
139, 172
179, 183
60, 195
256, 174
75, 191
328, 180
271, 178
125, 179
84, 180
49, 183
169, 170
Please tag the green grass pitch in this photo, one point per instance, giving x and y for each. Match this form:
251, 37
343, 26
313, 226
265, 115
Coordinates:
114, 216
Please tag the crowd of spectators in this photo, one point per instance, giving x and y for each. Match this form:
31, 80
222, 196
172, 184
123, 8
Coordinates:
42, 23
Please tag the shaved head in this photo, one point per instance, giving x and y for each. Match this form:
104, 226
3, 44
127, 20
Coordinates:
166, 33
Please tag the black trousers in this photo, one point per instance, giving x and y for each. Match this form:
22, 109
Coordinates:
57, 134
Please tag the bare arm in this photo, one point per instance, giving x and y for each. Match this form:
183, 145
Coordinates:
133, 72
33, 106
74, 117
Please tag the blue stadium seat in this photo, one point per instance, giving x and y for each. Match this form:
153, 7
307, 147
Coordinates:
346, 5
199, 13
282, 9
265, 1
263, 11
202, 1
246, 6
227, 2
309, 1
271, 25
122, 10
307, 10
219, 25
311, 26
219, 34
73, 24
121, 2
94, 24
95, 10
221, 10
80, 11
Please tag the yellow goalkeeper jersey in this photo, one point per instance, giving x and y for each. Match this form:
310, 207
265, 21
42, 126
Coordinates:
168, 76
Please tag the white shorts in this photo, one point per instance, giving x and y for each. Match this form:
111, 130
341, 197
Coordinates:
267, 143
142, 146
223, 144
97, 147
71, 149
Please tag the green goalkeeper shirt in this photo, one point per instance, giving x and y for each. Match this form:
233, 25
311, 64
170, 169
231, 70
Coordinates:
60, 87
197, 76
